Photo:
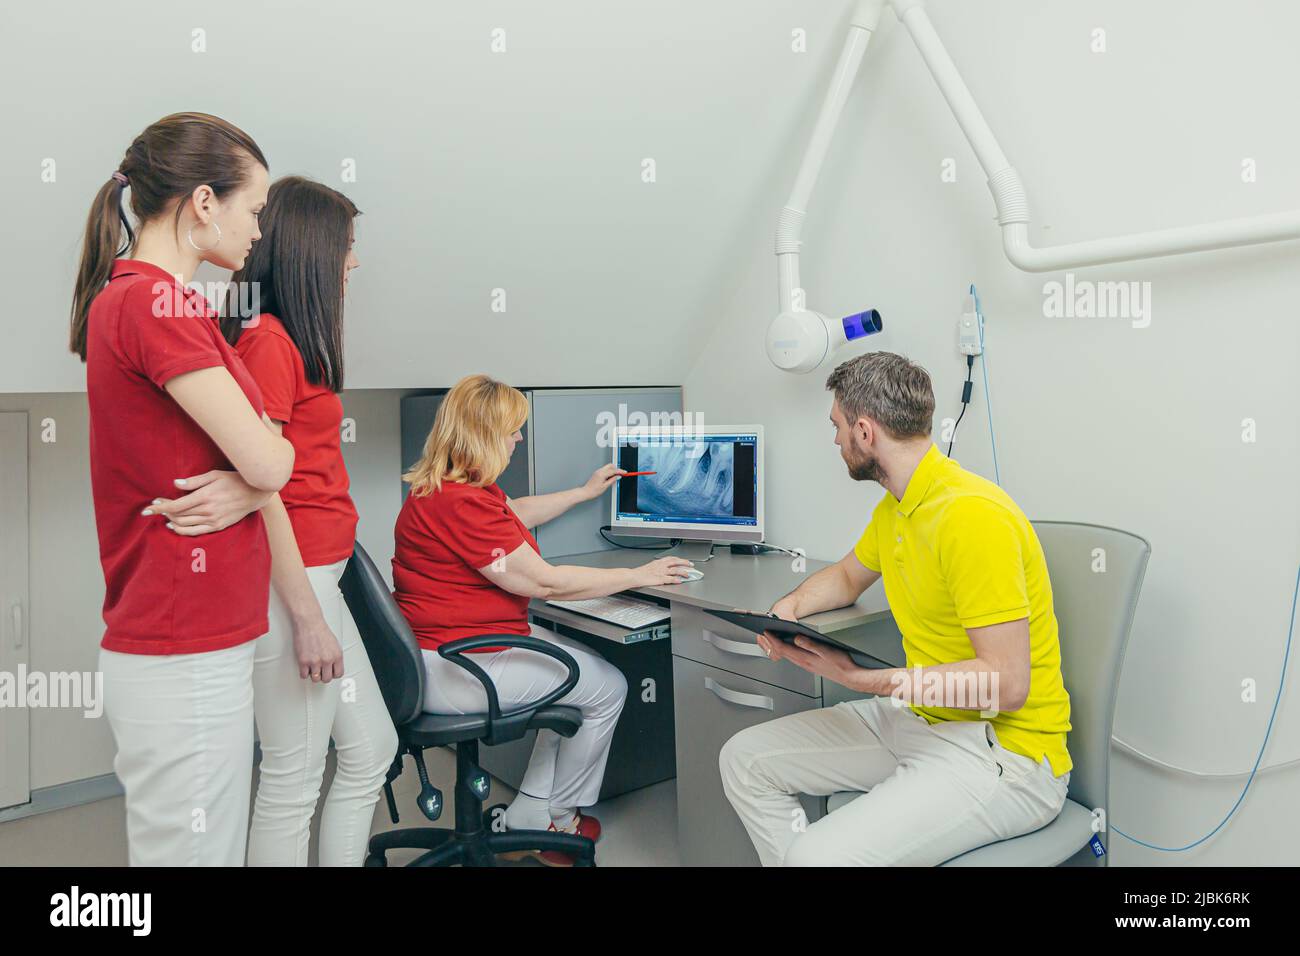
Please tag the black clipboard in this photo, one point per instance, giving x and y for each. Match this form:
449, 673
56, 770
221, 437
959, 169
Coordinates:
788, 630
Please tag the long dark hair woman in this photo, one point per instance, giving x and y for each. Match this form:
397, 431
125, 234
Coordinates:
293, 346
172, 405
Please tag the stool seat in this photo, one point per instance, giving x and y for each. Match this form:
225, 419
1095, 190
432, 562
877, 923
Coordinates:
1051, 845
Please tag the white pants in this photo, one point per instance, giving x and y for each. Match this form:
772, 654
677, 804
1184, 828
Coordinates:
295, 720
564, 772
184, 730
934, 791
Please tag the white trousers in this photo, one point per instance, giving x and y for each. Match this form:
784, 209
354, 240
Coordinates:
564, 772
295, 720
934, 791
183, 724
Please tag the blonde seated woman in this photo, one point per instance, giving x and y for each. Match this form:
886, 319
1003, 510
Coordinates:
466, 565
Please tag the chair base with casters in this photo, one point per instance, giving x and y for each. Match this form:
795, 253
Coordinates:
398, 664
471, 843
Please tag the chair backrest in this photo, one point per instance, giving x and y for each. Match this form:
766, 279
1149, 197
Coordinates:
394, 654
1094, 611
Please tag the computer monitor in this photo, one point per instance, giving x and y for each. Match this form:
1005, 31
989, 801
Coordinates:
707, 485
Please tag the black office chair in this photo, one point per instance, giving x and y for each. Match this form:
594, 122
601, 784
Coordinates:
399, 669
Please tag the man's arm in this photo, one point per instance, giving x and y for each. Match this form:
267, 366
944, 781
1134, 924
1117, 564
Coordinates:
996, 679
837, 585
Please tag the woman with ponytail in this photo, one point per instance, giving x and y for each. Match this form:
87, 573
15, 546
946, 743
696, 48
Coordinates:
293, 347
171, 404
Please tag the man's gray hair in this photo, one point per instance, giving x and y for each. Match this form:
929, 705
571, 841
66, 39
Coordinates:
888, 388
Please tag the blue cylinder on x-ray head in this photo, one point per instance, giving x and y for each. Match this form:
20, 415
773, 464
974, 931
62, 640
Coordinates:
863, 323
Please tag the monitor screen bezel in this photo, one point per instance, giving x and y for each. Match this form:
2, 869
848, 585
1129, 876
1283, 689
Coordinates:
690, 530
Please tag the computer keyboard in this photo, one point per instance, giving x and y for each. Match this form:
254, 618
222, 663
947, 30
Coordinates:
621, 611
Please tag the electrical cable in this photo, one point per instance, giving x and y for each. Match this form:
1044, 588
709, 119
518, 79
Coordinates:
965, 400
984, 374
672, 542
1281, 683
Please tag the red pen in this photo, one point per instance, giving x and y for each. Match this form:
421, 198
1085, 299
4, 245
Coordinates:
633, 474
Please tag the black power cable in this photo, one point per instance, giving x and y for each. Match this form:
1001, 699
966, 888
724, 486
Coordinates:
672, 542
965, 400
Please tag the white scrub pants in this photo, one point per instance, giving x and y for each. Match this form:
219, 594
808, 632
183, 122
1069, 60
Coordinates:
566, 773
184, 730
934, 790
295, 719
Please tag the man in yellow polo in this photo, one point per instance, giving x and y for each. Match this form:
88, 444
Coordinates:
967, 744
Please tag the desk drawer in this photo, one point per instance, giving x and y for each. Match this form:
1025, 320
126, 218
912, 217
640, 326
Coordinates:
710, 706
700, 636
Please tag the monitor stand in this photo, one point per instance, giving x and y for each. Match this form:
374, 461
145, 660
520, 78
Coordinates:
696, 551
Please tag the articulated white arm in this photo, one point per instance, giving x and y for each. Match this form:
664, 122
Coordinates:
1013, 207
800, 343
790, 225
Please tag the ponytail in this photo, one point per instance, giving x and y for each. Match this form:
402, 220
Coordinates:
102, 244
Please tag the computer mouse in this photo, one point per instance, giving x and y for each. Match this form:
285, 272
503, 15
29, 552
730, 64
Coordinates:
692, 574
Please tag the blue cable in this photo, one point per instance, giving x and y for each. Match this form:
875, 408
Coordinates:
1277, 700
988, 403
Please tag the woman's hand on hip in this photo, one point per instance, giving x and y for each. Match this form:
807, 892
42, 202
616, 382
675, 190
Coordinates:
216, 500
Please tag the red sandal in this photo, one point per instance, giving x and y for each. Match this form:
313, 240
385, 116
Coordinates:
582, 825
585, 826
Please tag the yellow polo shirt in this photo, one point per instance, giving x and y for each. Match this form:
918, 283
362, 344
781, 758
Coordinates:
958, 553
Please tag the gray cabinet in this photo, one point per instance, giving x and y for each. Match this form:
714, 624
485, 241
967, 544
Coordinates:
702, 637
723, 683
572, 431
15, 651
711, 705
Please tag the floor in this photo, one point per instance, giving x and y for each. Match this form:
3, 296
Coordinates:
639, 828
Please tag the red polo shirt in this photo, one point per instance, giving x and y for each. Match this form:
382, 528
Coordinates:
440, 542
321, 511
164, 593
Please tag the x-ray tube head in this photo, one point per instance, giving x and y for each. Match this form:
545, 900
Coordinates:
861, 324
802, 341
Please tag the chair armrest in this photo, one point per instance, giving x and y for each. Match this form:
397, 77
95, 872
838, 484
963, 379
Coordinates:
455, 652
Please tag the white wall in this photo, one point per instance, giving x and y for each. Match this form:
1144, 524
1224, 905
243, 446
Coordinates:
1098, 421
474, 170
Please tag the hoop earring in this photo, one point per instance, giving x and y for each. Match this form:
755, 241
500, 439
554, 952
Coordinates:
190, 236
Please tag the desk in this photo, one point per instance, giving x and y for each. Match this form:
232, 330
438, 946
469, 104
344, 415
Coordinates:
721, 682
